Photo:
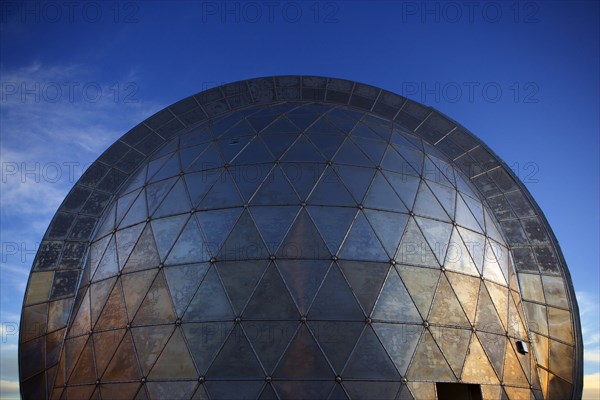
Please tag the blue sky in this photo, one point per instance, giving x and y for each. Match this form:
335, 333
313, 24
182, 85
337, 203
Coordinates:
523, 76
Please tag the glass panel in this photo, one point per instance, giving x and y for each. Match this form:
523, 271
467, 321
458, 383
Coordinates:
559, 323
239, 280
458, 257
236, 359
328, 145
437, 234
303, 151
446, 197
394, 304
109, 265
492, 270
371, 390
84, 371
432, 173
241, 390
217, 224
118, 391
135, 287
155, 193
255, 152
275, 190
190, 246
278, 143
369, 360
108, 223
333, 223
554, 288
428, 206
331, 191
205, 341
303, 278
176, 202
183, 281
414, 249
303, 389
303, 347
144, 254
361, 242
335, 300
58, 313
382, 196
281, 125
123, 365
513, 373
210, 159
494, 346
244, 242
303, 119
516, 327
356, 179
454, 344
429, 362
303, 177
467, 291
171, 390
531, 287
477, 367
105, 344
189, 154
39, 287
499, 296
210, 303
366, 280
156, 164
149, 343
223, 194
558, 388
446, 309
421, 284
99, 294
169, 169
269, 340
487, 319
350, 154
165, 231
271, 300
337, 339
198, 184
406, 187
126, 239
464, 217
303, 240
374, 149
400, 342
113, 314
389, 228
175, 361
536, 315
81, 323
361, 131
156, 307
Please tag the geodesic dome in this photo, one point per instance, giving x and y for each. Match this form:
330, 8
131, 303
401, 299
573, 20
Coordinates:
279, 239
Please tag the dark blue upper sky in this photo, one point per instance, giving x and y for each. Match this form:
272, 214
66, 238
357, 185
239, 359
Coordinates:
523, 76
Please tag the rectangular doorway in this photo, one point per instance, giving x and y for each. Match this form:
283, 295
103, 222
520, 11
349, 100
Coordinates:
458, 391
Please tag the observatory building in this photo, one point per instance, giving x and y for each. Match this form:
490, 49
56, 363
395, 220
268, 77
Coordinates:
299, 237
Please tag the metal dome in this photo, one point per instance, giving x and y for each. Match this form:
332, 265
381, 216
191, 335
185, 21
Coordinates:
298, 237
